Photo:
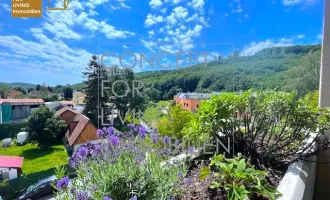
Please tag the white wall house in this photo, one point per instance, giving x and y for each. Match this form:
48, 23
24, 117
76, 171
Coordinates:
10, 167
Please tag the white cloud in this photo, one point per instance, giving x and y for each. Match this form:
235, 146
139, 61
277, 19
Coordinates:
124, 5
153, 19
197, 4
297, 2
5, 7
193, 17
177, 14
254, 47
149, 44
319, 36
155, 3
301, 36
46, 54
125, 47
112, 33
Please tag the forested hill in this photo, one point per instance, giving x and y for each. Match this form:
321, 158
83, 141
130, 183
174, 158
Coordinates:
284, 68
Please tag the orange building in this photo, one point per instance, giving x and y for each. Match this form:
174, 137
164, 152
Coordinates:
191, 101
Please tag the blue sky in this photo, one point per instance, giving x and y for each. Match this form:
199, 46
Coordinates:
55, 48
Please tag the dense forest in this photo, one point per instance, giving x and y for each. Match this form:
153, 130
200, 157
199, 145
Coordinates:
294, 68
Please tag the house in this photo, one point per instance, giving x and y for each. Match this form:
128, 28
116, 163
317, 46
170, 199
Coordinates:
16, 110
80, 129
78, 98
66, 114
67, 103
14, 93
191, 101
10, 167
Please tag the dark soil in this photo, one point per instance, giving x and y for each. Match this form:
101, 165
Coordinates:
195, 189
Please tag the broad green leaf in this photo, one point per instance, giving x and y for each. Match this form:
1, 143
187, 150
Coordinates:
204, 172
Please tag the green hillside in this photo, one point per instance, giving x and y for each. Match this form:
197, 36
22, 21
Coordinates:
285, 68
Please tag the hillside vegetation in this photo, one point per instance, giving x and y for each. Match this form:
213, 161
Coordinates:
293, 68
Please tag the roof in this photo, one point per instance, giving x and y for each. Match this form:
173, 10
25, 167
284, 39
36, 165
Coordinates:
11, 161
67, 102
64, 109
23, 101
55, 106
196, 96
14, 93
82, 121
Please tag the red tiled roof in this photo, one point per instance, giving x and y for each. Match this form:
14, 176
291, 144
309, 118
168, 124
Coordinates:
62, 110
14, 93
11, 161
82, 122
22, 101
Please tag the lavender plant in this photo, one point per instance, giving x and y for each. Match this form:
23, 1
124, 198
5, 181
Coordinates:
124, 166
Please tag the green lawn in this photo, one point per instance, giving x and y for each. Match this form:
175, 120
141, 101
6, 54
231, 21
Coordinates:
35, 159
37, 164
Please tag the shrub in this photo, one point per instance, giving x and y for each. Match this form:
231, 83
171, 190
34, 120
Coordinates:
174, 122
10, 130
124, 165
238, 178
272, 129
44, 128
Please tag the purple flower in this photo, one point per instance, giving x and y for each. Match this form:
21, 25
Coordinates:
154, 137
100, 132
188, 181
62, 183
134, 198
83, 151
95, 150
111, 130
107, 198
73, 162
131, 126
94, 187
114, 140
166, 140
180, 175
139, 159
82, 196
191, 150
73, 190
142, 132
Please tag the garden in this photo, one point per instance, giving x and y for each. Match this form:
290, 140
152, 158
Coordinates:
270, 130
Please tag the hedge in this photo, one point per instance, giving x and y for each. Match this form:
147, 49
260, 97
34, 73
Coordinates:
10, 130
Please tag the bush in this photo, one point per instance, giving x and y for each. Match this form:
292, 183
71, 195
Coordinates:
271, 128
44, 128
10, 130
123, 166
239, 179
174, 122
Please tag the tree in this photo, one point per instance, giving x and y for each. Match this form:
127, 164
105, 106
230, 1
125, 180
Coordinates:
38, 87
174, 122
30, 90
21, 89
94, 74
44, 128
68, 92
126, 94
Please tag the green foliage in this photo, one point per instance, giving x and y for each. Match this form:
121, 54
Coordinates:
282, 67
127, 94
238, 178
173, 123
21, 89
67, 92
10, 130
44, 128
270, 128
92, 99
